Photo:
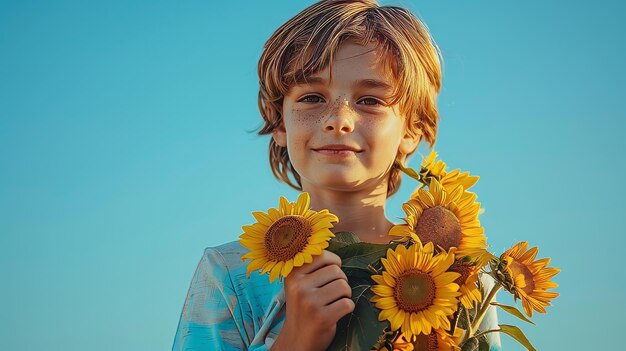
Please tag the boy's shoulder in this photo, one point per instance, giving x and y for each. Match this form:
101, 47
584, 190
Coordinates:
227, 254
225, 264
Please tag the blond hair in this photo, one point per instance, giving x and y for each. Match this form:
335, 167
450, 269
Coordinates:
318, 31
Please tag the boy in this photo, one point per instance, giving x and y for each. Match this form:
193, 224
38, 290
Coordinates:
347, 91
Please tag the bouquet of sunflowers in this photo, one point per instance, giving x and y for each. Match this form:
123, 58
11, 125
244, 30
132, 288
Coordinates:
422, 292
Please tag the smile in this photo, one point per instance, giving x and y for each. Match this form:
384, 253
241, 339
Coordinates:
338, 153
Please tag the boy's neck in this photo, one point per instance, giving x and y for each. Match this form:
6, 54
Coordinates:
359, 212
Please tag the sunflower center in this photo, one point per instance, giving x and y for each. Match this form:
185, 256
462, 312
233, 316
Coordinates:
414, 290
286, 237
425, 342
439, 225
518, 269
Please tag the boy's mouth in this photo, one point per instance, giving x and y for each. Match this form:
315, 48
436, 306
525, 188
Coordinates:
336, 152
339, 150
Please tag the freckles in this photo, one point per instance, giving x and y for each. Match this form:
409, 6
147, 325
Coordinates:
336, 107
303, 117
368, 126
371, 125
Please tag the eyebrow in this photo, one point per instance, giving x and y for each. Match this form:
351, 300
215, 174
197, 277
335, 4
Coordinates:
363, 83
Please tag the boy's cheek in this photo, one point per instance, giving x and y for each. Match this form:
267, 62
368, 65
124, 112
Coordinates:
298, 143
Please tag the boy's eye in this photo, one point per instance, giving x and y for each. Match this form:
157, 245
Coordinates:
311, 98
372, 102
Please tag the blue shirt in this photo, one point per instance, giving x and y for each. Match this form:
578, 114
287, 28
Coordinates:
225, 310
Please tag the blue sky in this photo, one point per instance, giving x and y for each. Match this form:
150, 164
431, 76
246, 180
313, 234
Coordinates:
126, 149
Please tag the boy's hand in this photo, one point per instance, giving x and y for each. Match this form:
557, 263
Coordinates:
317, 295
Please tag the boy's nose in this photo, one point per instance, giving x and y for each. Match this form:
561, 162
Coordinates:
340, 117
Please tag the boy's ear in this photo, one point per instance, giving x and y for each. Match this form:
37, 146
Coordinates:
409, 143
280, 135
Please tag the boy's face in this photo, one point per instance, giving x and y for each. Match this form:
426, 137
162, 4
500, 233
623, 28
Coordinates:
342, 134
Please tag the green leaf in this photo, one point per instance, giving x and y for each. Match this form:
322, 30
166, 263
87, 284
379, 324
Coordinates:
360, 255
357, 273
354, 251
340, 240
334, 246
346, 238
517, 334
514, 311
360, 329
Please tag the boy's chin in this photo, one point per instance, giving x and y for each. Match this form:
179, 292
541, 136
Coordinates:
338, 180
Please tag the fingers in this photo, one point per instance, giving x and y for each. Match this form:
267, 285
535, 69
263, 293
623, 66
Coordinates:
325, 259
319, 293
334, 291
324, 276
340, 308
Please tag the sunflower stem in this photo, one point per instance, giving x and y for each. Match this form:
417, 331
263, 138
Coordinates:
410, 172
478, 335
455, 321
483, 309
470, 330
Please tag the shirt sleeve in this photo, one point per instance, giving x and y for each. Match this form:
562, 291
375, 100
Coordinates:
490, 321
211, 317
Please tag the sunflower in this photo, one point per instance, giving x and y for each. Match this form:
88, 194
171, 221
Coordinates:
467, 282
448, 219
438, 340
431, 167
286, 237
414, 292
400, 344
528, 279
